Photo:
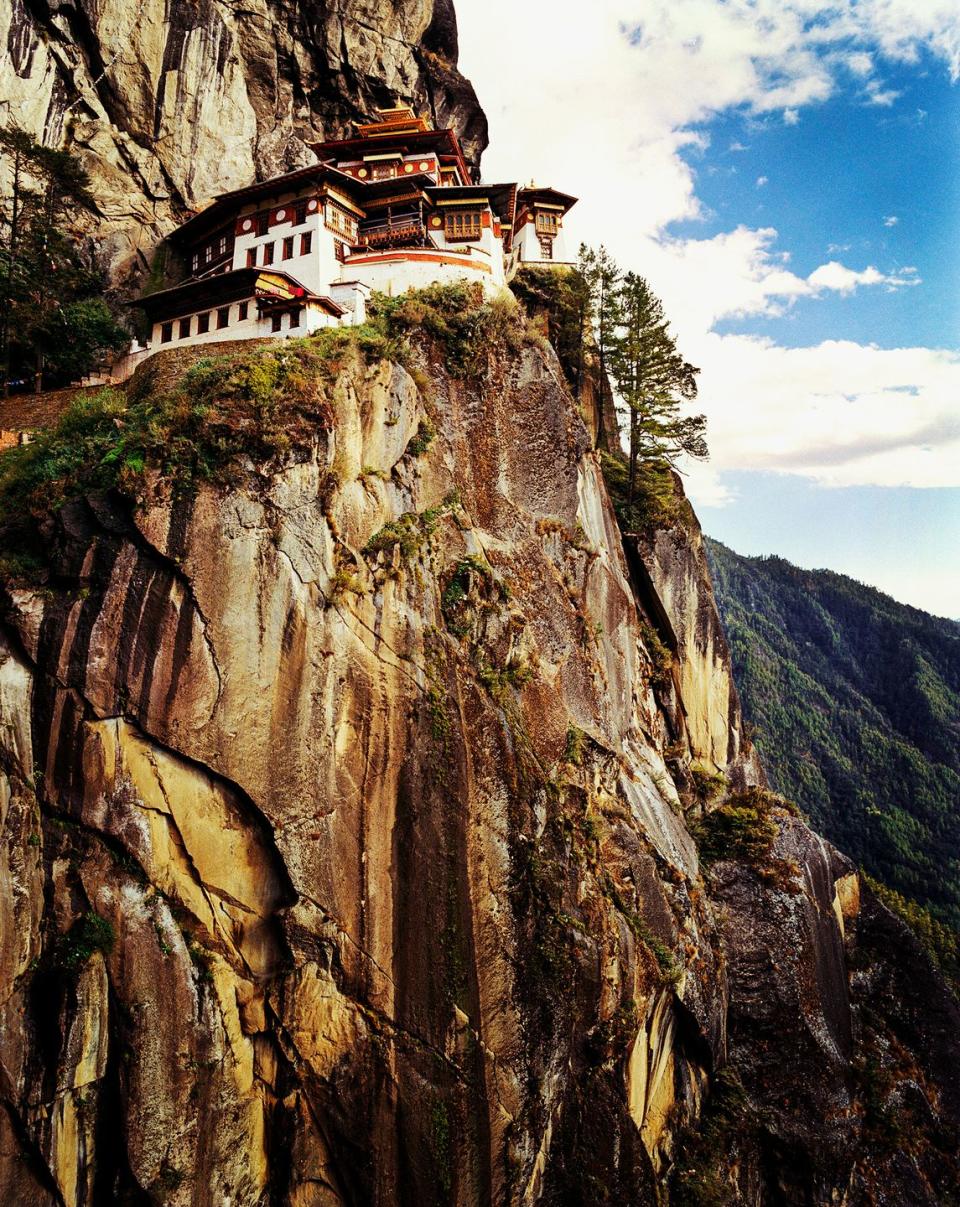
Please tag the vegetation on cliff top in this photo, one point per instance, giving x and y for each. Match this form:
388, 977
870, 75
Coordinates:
256, 404
941, 943
856, 703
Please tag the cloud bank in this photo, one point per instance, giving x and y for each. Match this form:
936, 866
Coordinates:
605, 102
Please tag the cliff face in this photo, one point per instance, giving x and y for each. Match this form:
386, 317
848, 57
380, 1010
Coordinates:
348, 857
169, 102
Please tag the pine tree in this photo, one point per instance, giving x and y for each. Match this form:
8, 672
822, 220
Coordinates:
50, 315
653, 380
601, 277
18, 151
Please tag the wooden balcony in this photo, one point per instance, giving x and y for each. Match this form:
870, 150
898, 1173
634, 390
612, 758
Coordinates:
399, 230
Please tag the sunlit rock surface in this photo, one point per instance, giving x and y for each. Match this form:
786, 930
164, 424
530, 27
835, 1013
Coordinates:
393, 839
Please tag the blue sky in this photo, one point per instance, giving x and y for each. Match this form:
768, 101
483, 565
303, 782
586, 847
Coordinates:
831, 184
895, 539
786, 175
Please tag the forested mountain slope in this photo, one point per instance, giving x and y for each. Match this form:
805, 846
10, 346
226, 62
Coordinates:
856, 701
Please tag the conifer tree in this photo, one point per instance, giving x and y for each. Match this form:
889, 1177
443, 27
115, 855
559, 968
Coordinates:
653, 380
18, 151
50, 314
601, 277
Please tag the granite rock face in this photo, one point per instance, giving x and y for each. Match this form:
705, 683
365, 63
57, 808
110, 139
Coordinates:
169, 102
347, 850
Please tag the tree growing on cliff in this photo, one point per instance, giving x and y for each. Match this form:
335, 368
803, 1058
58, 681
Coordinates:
580, 304
653, 380
17, 151
601, 276
51, 315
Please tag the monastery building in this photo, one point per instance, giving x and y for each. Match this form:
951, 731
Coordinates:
393, 208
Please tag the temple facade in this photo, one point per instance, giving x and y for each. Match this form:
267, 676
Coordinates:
395, 207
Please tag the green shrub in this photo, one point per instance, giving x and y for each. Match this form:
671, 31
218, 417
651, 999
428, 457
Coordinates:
455, 604
90, 933
671, 971
456, 317
497, 679
700, 1172
405, 532
655, 503
941, 942
441, 1145
422, 439
201, 959
740, 829
661, 659
576, 746
411, 530
344, 582
707, 786
554, 294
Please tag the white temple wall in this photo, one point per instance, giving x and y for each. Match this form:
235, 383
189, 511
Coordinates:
487, 249
311, 270
396, 272
527, 249
353, 297
254, 326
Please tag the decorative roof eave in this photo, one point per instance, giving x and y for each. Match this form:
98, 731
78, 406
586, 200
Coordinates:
534, 194
222, 288
373, 190
223, 207
432, 139
396, 117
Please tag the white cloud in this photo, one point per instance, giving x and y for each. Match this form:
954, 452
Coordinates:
762, 180
837, 277
737, 146
740, 273
841, 413
891, 220
590, 102
876, 94
859, 62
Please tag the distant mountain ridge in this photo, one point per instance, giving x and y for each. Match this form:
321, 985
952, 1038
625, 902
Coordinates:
856, 703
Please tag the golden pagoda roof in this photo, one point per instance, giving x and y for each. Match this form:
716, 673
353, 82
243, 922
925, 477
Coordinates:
400, 119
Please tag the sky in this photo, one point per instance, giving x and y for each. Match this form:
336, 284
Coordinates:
786, 174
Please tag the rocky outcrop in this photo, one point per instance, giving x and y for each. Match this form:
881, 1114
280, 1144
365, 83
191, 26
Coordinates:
842, 1043
169, 102
348, 848
672, 574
